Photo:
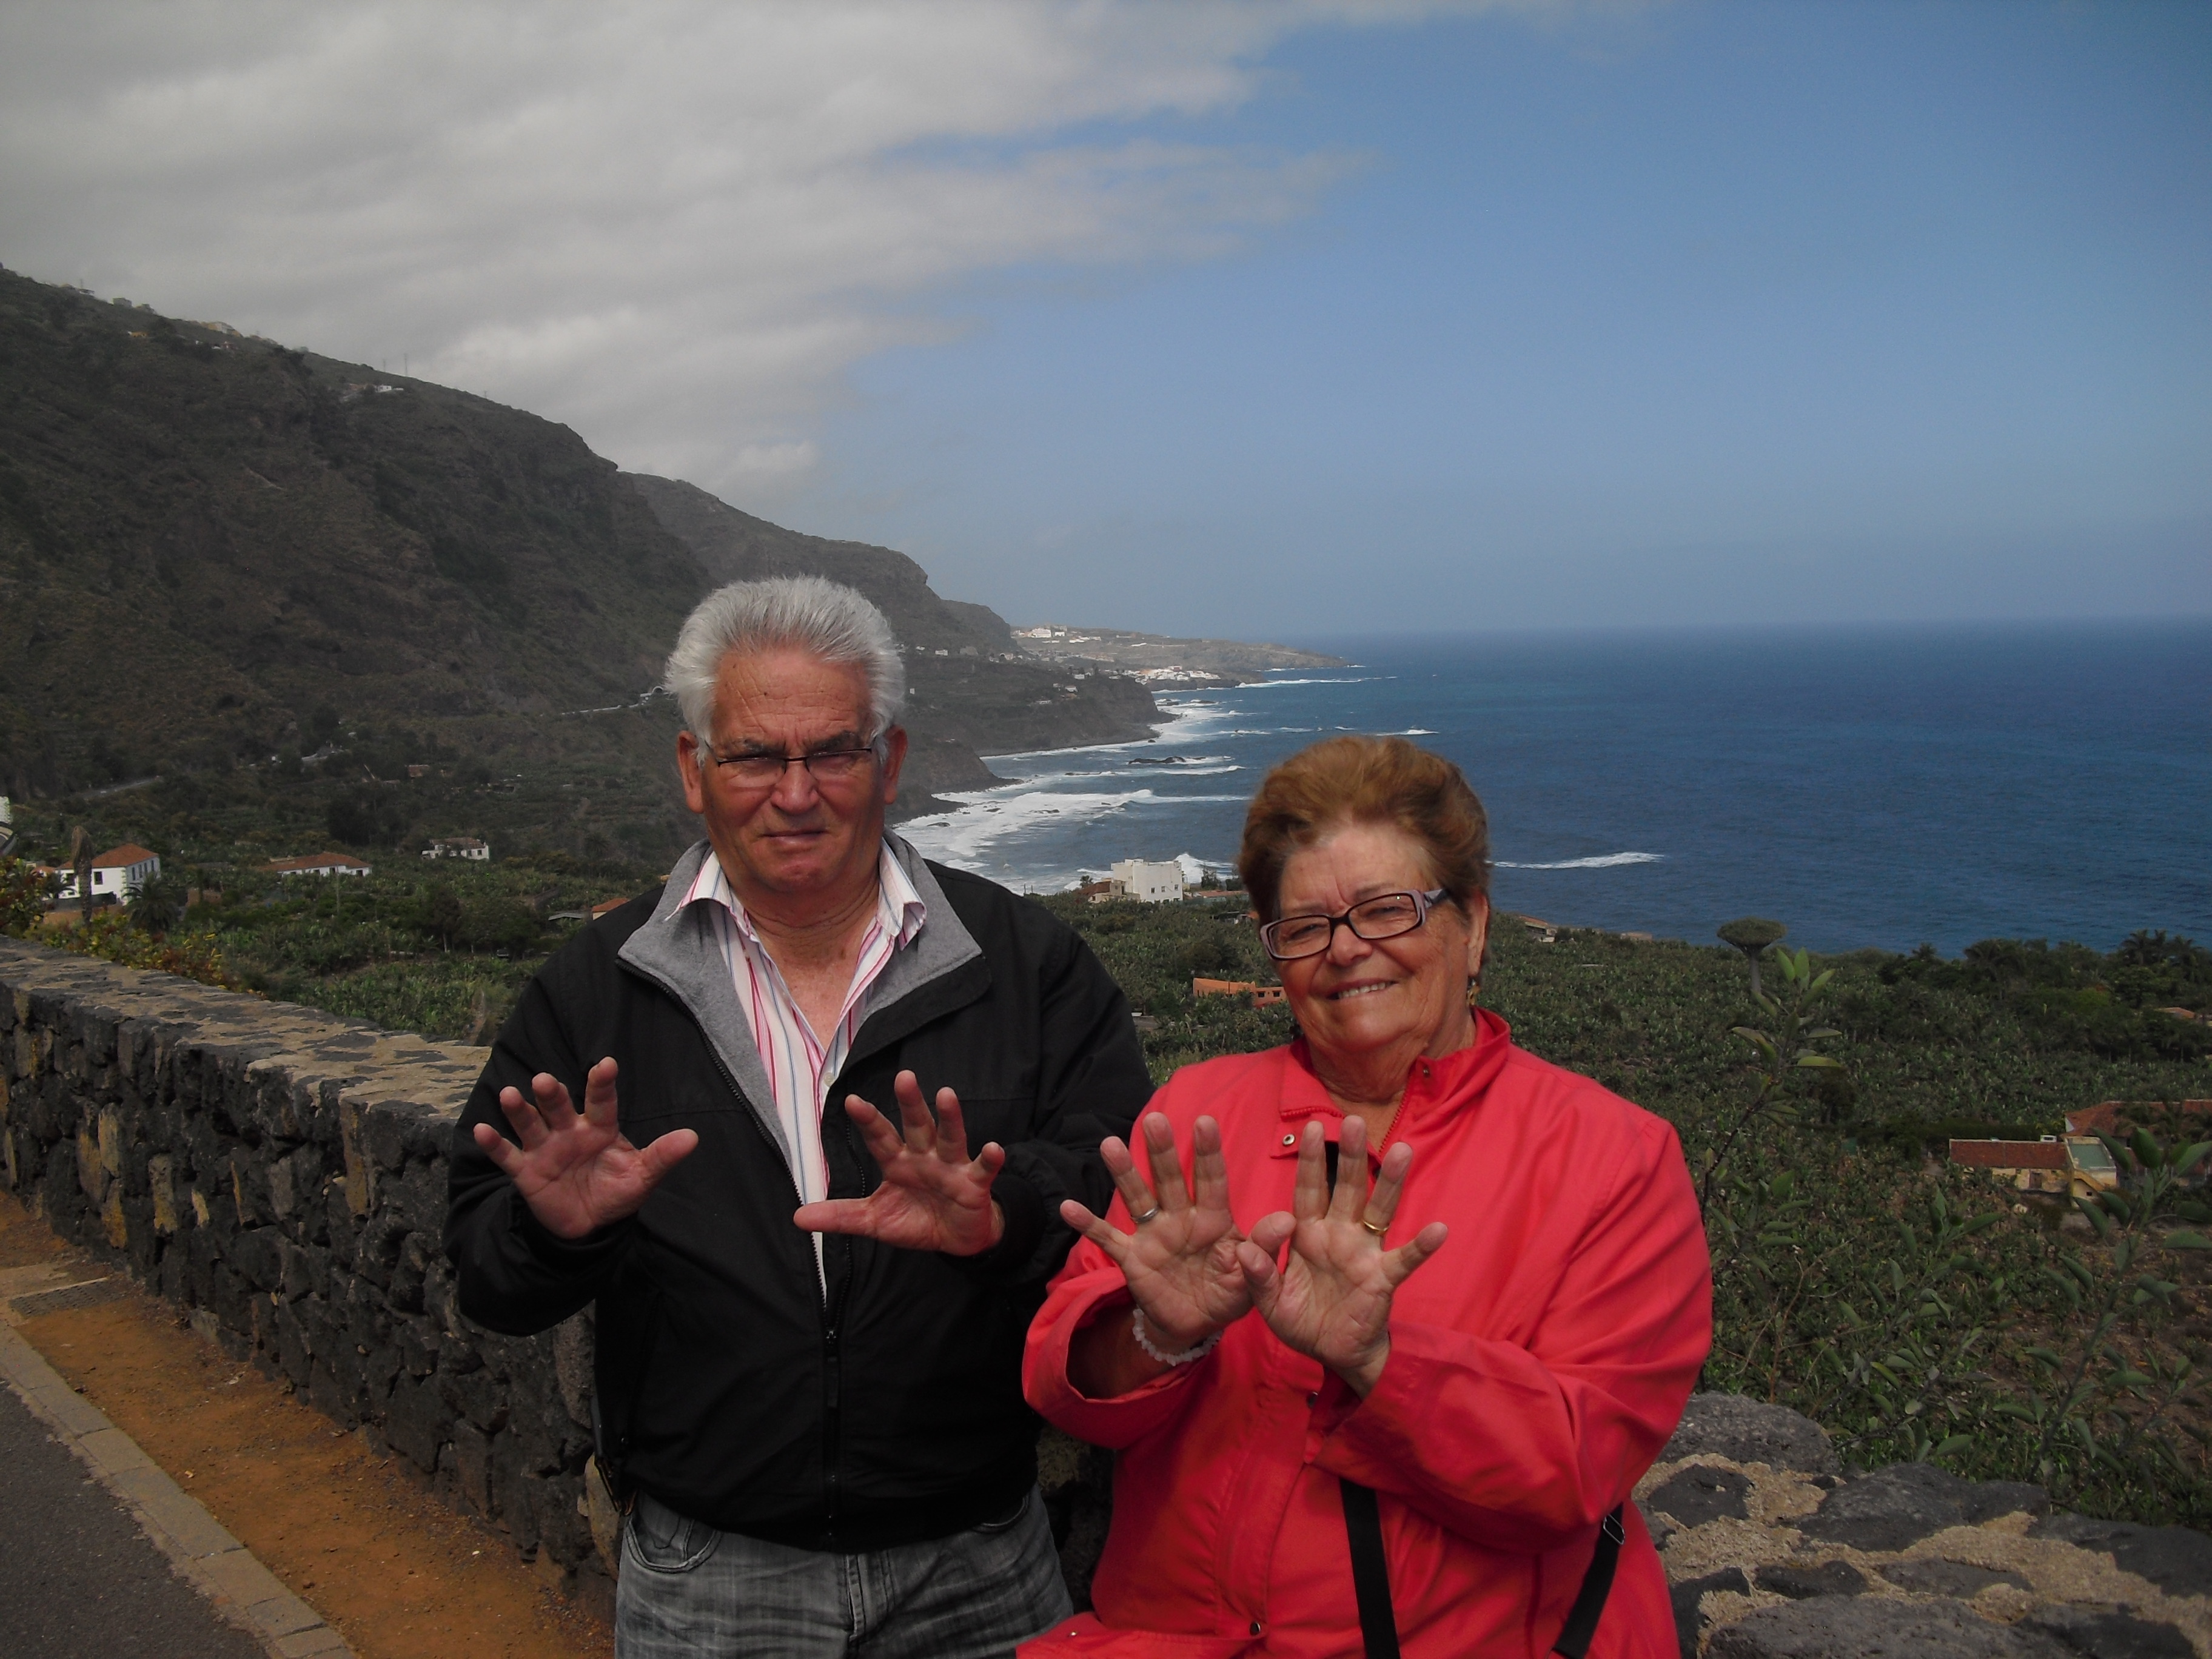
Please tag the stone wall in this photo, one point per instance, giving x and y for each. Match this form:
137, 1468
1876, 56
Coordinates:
280, 1174
1774, 1553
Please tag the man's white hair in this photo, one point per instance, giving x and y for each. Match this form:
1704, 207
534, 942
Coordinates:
825, 618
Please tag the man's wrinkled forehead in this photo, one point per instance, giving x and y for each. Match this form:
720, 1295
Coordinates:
786, 695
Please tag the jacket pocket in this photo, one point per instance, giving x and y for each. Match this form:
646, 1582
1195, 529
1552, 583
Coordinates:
660, 1541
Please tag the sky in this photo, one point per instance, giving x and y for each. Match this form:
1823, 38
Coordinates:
1252, 318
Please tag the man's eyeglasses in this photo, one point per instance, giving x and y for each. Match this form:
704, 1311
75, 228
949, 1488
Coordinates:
763, 769
1384, 916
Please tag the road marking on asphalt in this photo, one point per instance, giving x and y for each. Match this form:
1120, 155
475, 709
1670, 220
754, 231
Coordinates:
213, 1561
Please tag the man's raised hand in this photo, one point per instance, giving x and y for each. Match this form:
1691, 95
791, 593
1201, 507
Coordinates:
576, 1171
933, 1196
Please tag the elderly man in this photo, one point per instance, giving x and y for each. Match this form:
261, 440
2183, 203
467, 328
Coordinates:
810, 1317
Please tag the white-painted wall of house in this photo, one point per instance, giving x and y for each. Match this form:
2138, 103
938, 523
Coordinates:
1150, 884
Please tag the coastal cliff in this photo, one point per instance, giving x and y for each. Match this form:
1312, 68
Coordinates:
261, 578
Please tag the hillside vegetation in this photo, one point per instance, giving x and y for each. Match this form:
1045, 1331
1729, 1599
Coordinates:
265, 584
209, 540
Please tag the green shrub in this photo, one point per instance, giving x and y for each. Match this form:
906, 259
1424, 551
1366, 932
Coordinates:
22, 896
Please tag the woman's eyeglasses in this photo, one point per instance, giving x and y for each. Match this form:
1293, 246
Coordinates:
1384, 916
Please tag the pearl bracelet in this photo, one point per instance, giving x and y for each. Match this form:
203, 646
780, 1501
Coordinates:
1196, 1351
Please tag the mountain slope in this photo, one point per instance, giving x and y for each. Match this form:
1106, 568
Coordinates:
733, 546
972, 690
205, 541
214, 550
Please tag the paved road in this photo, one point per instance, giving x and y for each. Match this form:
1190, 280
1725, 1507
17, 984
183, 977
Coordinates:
78, 1580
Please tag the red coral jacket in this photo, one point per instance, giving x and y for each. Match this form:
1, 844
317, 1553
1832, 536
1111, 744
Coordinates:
1537, 1365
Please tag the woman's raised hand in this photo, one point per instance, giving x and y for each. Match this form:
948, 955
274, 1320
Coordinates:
1179, 1257
1331, 1299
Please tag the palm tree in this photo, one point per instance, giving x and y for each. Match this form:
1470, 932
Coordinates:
80, 863
158, 906
2143, 949
1753, 936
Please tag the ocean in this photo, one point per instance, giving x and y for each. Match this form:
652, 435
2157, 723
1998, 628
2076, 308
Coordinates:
1867, 786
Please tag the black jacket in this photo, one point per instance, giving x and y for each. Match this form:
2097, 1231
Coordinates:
728, 1387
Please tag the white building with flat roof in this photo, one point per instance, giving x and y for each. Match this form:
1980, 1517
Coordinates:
319, 863
1148, 883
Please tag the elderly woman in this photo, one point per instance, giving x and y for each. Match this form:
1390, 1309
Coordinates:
1329, 1444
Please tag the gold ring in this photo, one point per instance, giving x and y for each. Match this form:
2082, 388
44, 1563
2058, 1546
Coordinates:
1372, 1228
1147, 1215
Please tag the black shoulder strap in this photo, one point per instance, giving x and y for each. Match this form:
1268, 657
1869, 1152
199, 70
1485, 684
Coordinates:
1370, 1572
1371, 1578
1597, 1584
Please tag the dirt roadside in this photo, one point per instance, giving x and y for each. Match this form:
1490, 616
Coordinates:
393, 1570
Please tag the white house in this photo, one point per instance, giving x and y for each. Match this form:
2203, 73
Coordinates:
1150, 884
117, 874
319, 864
458, 847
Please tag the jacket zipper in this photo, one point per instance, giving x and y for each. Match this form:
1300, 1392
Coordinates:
832, 1382
832, 1355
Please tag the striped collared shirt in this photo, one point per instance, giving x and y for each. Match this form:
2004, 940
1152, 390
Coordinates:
799, 1063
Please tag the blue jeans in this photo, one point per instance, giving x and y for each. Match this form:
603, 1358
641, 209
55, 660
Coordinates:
687, 1591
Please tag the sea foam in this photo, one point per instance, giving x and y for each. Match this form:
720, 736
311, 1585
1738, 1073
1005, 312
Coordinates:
988, 818
1602, 861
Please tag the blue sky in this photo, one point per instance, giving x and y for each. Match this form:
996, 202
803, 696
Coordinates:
1713, 312
1279, 316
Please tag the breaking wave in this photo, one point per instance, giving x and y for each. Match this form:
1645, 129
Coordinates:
986, 818
1603, 861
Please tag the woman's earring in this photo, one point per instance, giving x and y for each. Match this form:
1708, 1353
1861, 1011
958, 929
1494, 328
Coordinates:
1473, 992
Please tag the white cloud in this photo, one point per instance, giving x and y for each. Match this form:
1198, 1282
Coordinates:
674, 226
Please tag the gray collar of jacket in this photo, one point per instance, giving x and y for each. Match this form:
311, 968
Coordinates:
679, 952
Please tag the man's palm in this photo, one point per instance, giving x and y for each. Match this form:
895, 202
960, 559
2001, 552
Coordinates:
576, 1171
933, 1195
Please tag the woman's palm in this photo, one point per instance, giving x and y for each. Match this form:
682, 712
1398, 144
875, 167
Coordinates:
1179, 1253
1331, 1296
1183, 1269
1333, 1299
